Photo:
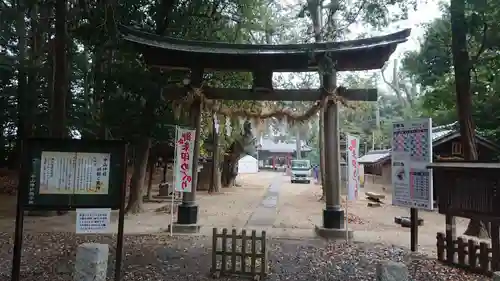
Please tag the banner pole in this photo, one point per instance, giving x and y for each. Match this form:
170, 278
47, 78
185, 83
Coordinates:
347, 189
173, 184
346, 222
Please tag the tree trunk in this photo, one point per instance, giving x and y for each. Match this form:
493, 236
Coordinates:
152, 169
21, 80
216, 174
229, 166
298, 147
135, 205
462, 68
58, 114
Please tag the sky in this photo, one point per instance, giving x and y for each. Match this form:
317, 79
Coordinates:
426, 11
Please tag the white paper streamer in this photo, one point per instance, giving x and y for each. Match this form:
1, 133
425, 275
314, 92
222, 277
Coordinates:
254, 124
216, 121
228, 127
242, 124
284, 125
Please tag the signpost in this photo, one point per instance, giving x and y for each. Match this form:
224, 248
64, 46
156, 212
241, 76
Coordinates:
183, 164
353, 175
411, 179
92, 220
68, 175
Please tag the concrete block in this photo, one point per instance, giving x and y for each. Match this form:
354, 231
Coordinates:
392, 271
496, 276
91, 262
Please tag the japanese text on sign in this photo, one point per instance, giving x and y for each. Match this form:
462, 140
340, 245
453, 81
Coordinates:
411, 153
74, 173
183, 170
93, 220
352, 168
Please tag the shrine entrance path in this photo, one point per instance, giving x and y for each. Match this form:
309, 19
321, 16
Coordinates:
262, 201
231, 208
265, 214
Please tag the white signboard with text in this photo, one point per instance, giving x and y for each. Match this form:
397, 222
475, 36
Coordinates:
93, 220
411, 153
74, 173
183, 164
352, 168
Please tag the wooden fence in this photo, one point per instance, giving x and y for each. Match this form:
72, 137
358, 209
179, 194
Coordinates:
468, 255
239, 254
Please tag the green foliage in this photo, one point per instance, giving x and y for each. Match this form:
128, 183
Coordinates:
432, 67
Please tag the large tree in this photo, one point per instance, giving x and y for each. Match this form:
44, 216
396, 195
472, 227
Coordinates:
456, 66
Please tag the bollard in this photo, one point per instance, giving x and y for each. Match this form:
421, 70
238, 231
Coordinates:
392, 271
91, 262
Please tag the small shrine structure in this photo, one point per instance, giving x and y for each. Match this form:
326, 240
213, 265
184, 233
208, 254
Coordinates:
262, 61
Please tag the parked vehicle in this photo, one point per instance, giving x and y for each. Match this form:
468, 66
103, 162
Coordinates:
301, 171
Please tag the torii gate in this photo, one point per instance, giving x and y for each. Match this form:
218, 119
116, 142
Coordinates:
262, 61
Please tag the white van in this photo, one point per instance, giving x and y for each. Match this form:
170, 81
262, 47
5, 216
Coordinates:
301, 171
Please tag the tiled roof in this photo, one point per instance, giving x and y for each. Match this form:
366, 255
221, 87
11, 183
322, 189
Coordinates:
438, 133
374, 156
280, 147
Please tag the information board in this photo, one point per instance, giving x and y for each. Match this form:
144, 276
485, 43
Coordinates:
411, 153
70, 174
74, 173
93, 220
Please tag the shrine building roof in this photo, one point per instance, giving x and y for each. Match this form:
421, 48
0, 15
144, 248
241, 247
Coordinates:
351, 55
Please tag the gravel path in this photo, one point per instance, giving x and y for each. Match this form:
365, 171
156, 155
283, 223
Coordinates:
159, 257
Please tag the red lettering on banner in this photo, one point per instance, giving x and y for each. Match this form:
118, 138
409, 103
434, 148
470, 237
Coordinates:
184, 141
185, 138
354, 165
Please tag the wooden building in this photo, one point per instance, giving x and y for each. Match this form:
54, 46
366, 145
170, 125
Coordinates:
446, 144
273, 155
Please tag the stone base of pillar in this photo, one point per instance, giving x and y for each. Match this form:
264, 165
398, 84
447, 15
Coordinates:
184, 228
334, 233
333, 218
91, 262
187, 214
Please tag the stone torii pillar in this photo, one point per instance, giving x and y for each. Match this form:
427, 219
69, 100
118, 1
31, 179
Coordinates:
333, 214
187, 212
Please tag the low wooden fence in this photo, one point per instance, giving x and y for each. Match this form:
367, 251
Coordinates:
239, 254
466, 254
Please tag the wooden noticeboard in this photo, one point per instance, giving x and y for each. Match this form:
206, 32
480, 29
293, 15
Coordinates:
65, 174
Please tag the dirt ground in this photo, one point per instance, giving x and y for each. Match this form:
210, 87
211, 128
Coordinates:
295, 252
298, 209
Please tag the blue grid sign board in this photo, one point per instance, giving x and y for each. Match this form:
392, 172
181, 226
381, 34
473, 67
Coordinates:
411, 153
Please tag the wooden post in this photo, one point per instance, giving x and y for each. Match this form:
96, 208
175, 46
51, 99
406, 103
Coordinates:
450, 238
244, 251
471, 253
495, 247
414, 229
